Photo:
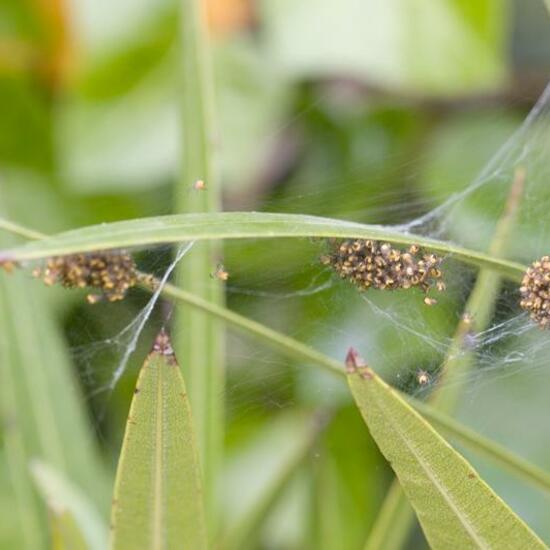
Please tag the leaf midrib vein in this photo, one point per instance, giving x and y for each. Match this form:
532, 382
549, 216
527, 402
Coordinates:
463, 519
159, 463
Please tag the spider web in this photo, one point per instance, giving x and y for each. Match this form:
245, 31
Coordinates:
284, 285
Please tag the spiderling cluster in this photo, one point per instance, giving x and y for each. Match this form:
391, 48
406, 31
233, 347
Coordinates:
111, 272
375, 264
535, 291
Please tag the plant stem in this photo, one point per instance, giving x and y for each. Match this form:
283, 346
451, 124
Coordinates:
522, 468
199, 338
292, 348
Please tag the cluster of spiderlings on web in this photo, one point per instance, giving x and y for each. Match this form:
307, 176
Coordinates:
374, 264
535, 291
111, 272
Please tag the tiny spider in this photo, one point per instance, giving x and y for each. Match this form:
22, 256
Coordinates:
423, 377
220, 273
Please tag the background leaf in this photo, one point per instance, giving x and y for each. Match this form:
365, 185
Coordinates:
257, 474
42, 409
376, 42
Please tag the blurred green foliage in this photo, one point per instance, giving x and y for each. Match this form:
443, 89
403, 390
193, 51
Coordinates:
364, 110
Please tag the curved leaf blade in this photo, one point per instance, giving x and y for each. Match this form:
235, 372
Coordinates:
236, 225
157, 500
456, 508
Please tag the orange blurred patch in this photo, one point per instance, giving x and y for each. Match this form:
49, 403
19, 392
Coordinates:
227, 16
16, 56
58, 58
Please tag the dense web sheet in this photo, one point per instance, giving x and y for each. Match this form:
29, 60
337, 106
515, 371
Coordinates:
275, 282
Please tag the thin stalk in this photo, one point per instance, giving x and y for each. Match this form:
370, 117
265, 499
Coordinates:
16, 229
531, 473
479, 308
392, 521
199, 338
458, 363
291, 347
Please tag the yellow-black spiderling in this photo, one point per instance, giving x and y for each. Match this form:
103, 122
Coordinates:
535, 291
111, 272
374, 264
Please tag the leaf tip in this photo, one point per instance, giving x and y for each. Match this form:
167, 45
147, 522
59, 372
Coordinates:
163, 344
356, 364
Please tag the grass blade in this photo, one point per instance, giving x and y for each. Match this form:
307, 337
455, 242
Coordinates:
237, 225
479, 308
433, 475
392, 522
200, 338
41, 406
157, 499
75, 521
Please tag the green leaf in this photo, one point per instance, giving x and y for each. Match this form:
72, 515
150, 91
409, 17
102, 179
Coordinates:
456, 509
200, 342
40, 402
75, 522
157, 499
301, 352
236, 225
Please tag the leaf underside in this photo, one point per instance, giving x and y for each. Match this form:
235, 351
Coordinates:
456, 508
158, 497
236, 225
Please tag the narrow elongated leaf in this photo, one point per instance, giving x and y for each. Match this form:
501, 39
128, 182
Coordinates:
157, 500
236, 225
65, 533
40, 404
200, 340
74, 520
456, 509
